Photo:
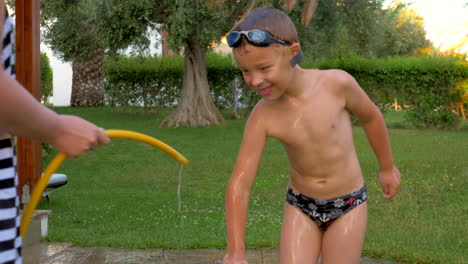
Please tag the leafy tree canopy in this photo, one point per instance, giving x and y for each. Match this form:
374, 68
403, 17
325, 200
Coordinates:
199, 21
405, 33
75, 28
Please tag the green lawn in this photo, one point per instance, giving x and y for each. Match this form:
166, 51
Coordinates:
125, 194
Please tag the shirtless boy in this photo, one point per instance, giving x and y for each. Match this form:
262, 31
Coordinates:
325, 213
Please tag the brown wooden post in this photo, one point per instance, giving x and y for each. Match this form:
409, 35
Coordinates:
166, 51
28, 73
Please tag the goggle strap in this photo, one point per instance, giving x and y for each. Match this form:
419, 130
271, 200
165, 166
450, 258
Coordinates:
296, 59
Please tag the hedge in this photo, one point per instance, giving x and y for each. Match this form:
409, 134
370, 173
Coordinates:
425, 84
46, 78
157, 82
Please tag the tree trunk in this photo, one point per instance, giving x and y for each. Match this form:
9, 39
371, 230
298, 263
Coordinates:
166, 51
196, 107
88, 81
234, 99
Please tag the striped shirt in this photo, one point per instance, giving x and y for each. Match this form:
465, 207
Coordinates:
8, 58
10, 240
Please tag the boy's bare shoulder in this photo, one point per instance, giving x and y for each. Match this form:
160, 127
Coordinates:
260, 108
257, 122
335, 80
338, 77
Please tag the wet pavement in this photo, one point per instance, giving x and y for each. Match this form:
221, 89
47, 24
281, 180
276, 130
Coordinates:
65, 253
36, 252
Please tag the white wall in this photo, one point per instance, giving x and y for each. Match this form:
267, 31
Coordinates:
62, 74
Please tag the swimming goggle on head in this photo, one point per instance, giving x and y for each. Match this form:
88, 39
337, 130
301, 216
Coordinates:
256, 37
260, 38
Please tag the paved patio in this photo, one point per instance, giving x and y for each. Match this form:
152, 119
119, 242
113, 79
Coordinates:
65, 253
36, 252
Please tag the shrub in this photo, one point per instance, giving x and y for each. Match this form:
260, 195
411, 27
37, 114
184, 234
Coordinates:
150, 82
157, 82
426, 84
46, 78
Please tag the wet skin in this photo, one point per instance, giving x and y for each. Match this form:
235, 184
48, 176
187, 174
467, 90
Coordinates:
308, 112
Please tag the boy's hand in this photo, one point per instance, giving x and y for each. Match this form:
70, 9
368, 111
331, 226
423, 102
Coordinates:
390, 182
76, 136
235, 259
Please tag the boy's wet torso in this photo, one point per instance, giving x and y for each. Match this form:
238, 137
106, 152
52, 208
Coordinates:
316, 132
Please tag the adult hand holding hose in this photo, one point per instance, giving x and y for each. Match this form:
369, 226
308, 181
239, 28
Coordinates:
57, 161
75, 136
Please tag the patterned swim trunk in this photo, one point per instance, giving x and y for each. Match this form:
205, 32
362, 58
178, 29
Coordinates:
324, 212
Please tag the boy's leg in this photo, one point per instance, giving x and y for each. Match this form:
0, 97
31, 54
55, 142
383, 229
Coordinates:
300, 238
344, 239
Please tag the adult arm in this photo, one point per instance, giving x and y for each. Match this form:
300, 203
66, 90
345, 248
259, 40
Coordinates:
21, 114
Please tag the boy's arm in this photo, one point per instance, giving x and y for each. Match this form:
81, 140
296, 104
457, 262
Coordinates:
239, 186
373, 123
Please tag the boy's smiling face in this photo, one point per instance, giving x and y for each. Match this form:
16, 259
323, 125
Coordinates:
265, 69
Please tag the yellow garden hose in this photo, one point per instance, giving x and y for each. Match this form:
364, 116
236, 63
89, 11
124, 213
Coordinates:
57, 161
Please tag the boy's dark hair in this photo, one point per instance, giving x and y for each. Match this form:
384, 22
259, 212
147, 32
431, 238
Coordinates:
272, 20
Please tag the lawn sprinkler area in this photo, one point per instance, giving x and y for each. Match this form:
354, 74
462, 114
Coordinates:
41, 217
136, 189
